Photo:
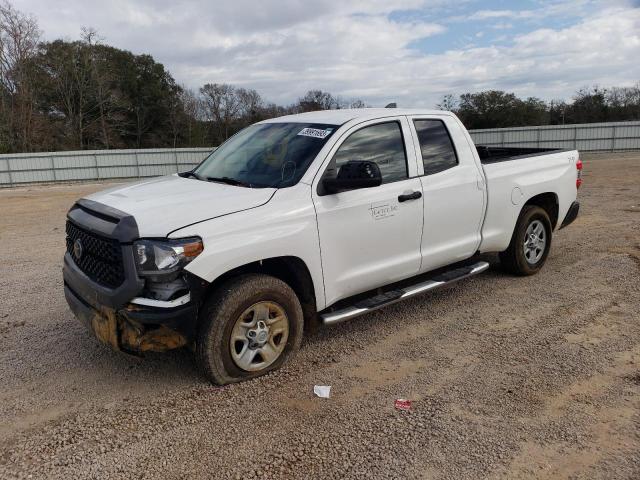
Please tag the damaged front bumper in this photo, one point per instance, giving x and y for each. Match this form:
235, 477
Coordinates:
118, 316
136, 329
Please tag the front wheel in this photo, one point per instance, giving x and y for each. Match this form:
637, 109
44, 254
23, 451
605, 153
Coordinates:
530, 242
250, 326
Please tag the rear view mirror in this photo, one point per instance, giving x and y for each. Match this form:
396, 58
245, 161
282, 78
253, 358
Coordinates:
353, 175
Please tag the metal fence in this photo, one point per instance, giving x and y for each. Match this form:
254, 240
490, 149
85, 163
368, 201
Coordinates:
587, 137
24, 168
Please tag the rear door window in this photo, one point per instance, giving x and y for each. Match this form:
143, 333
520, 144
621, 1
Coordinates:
436, 146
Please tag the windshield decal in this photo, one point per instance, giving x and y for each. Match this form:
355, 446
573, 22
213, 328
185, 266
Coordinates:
314, 132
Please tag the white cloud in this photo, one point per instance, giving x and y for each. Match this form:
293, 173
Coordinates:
488, 14
352, 48
553, 9
501, 26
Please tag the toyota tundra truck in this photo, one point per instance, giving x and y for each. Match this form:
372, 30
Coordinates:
305, 220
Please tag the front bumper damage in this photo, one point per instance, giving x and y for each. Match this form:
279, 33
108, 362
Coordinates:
109, 313
135, 329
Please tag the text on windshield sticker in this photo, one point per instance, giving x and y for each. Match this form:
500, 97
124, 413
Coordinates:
314, 132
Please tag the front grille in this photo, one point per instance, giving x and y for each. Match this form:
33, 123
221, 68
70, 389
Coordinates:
101, 258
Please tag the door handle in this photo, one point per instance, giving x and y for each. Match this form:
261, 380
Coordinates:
409, 196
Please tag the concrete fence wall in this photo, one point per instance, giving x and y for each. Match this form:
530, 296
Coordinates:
16, 169
587, 137
24, 168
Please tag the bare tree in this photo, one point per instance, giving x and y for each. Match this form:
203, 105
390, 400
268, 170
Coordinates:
177, 117
222, 107
357, 103
19, 37
624, 102
317, 100
191, 111
271, 110
448, 102
250, 103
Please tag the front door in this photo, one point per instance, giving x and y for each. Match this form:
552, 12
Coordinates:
370, 237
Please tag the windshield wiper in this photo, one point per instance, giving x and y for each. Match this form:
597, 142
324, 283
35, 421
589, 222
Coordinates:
190, 174
229, 181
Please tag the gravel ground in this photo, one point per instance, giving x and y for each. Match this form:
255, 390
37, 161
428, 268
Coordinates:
534, 377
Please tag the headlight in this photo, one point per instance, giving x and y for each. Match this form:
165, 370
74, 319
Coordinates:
155, 257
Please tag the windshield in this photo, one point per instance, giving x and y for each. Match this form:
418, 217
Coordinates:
266, 155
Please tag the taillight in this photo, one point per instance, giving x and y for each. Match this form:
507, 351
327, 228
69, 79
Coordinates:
579, 173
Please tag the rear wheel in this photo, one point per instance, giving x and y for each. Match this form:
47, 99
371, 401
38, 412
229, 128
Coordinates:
530, 242
249, 327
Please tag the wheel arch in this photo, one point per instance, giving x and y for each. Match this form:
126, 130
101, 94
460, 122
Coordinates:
548, 201
290, 269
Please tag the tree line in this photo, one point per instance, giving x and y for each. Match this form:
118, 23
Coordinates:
83, 94
498, 109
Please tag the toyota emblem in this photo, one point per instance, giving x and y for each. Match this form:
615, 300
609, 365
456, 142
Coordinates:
78, 249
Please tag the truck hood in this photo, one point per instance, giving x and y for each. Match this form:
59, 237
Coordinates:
164, 204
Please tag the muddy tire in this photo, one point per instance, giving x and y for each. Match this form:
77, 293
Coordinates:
530, 242
250, 326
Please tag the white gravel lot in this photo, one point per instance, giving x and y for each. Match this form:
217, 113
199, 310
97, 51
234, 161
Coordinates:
534, 377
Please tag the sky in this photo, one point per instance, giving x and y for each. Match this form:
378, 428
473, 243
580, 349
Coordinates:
407, 51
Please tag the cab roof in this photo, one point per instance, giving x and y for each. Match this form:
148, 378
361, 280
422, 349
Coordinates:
339, 117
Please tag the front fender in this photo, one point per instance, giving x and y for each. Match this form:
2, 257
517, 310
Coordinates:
284, 227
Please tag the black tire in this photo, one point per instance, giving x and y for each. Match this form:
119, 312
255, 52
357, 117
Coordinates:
218, 317
513, 259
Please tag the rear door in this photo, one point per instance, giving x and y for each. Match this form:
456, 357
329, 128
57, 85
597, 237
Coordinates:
370, 237
453, 190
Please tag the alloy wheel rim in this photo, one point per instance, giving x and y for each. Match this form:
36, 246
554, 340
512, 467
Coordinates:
259, 336
535, 242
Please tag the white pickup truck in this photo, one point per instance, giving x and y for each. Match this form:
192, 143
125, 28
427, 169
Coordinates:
302, 220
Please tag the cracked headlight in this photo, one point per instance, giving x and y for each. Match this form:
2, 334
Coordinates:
157, 257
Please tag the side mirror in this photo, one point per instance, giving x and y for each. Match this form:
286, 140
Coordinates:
353, 175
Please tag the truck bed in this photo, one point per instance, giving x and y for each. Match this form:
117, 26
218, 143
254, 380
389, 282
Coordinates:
509, 184
503, 154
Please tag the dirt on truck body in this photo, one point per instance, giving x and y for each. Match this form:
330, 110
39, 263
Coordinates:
533, 377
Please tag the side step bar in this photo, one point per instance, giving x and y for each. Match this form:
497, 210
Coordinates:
388, 298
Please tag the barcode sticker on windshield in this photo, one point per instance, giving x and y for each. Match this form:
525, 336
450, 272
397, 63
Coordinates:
314, 132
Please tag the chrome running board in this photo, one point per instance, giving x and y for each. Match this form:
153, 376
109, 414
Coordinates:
393, 296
